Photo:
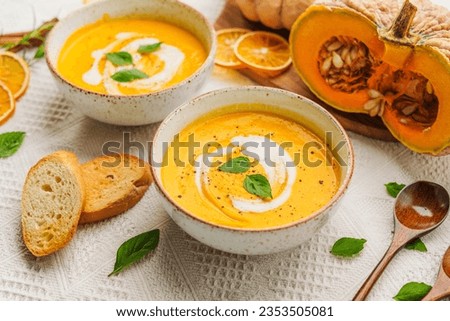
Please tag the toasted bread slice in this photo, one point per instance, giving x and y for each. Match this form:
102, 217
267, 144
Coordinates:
114, 184
52, 200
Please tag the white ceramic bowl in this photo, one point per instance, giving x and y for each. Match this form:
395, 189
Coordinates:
137, 109
252, 241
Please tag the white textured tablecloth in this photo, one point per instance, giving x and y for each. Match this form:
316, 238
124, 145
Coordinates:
182, 268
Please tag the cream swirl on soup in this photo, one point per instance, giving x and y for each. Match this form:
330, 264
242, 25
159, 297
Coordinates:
277, 165
162, 69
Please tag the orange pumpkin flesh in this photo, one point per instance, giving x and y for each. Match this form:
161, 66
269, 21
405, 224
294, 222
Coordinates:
390, 74
306, 47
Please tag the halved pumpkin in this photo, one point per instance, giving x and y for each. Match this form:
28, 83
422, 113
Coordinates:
357, 56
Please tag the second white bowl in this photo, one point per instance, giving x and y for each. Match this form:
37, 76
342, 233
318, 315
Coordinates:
136, 109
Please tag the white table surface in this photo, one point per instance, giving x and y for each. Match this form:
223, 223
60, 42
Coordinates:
182, 268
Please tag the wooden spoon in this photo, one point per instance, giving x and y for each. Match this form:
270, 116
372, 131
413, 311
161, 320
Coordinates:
419, 209
441, 287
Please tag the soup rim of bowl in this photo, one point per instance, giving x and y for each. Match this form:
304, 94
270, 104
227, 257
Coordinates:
336, 197
209, 58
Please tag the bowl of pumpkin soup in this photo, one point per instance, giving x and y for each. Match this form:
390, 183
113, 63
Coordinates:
251, 170
131, 62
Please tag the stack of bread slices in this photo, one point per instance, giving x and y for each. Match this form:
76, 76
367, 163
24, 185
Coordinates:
59, 193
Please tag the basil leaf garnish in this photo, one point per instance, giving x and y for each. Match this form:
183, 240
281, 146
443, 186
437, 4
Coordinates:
149, 48
128, 75
120, 58
258, 185
239, 164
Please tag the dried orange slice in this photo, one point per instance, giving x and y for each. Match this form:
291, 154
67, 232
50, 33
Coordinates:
7, 103
226, 39
14, 73
264, 52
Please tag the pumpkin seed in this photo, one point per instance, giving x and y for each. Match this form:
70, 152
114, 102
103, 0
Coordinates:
331, 81
344, 53
359, 64
354, 53
348, 60
337, 61
374, 93
335, 46
374, 106
371, 104
413, 88
429, 88
409, 110
326, 64
420, 119
381, 109
361, 52
373, 112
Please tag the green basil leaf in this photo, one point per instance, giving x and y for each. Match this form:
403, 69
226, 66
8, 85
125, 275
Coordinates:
412, 291
258, 185
348, 247
149, 48
128, 75
39, 52
394, 188
135, 249
417, 245
10, 143
120, 58
239, 164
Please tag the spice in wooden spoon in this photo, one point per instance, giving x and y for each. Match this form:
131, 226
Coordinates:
419, 209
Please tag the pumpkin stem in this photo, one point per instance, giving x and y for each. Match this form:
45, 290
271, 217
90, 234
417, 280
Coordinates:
402, 24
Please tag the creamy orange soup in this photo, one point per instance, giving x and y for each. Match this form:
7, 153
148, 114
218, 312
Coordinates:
302, 176
161, 55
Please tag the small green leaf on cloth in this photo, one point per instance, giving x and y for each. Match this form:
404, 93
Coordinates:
10, 143
416, 245
348, 247
135, 249
412, 291
394, 188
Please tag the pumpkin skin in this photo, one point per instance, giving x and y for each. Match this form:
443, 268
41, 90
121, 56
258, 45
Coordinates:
275, 14
401, 71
